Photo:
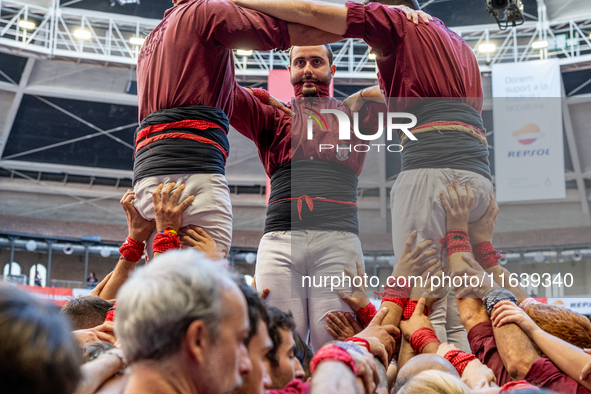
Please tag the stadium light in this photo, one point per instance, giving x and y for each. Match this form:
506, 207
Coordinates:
82, 34
26, 25
242, 52
137, 41
487, 48
540, 45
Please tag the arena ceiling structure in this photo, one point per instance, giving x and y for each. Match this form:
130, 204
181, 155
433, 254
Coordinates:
68, 110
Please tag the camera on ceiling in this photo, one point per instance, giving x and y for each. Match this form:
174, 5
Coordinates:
512, 12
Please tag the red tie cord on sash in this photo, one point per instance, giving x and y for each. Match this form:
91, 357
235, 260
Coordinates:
183, 124
310, 202
366, 314
421, 338
409, 309
486, 255
459, 359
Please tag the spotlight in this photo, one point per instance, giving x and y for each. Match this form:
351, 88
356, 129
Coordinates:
123, 2
68, 249
242, 52
513, 12
105, 252
82, 34
487, 48
250, 258
137, 41
539, 45
371, 56
577, 256
26, 25
31, 245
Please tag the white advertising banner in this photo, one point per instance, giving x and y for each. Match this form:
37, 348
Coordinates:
528, 140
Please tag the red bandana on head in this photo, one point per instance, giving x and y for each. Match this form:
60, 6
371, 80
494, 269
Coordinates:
322, 89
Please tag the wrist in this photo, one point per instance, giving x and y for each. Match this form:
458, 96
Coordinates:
363, 304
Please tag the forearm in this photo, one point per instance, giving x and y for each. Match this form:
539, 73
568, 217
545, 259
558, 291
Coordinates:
334, 377
122, 271
502, 276
382, 387
516, 350
301, 35
405, 354
373, 93
568, 358
472, 312
456, 262
96, 372
394, 314
329, 17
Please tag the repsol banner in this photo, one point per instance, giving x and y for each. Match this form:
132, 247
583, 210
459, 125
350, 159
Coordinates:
528, 134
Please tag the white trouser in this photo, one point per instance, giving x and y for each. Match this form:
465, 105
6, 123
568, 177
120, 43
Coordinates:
285, 257
415, 205
211, 210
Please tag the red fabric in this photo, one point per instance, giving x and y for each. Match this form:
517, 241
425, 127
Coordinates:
421, 338
111, 313
280, 138
366, 314
357, 339
132, 250
296, 386
416, 62
456, 241
184, 136
188, 60
544, 374
459, 359
333, 353
484, 347
183, 124
409, 309
522, 384
395, 293
486, 255
261, 94
310, 202
165, 241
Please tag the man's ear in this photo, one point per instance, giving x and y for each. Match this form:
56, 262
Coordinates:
197, 341
333, 69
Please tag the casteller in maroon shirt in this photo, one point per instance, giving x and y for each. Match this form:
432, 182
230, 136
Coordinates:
542, 373
416, 61
187, 59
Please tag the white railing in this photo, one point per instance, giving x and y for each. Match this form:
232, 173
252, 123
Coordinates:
54, 35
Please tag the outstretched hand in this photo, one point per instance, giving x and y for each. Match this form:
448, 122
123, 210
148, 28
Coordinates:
413, 15
415, 261
385, 334
342, 326
458, 211
168, 211
139, 229
358, 298
482, 230
417, 321
197, 238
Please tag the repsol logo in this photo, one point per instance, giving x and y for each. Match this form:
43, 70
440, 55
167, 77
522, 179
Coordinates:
529, 153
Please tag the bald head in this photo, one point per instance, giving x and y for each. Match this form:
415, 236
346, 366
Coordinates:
420, 363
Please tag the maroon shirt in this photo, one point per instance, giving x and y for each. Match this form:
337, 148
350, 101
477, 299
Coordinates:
270, 129
542, 373
416, 61
187, 59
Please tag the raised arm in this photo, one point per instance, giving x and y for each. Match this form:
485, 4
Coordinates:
568, 358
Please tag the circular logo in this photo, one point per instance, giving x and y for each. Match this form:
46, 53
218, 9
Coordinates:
343, 152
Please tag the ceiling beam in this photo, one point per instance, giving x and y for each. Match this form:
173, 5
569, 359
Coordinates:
16, 103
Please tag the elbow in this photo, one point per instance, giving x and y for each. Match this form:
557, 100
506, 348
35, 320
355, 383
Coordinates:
518, 366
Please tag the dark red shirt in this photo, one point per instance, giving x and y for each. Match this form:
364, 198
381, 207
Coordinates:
542, 373
187, 59
277, 142
416, 61
296, 386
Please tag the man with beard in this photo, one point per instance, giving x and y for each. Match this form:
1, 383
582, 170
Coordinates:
429, 71
311, 228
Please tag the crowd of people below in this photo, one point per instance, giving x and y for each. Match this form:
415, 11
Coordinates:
184, 323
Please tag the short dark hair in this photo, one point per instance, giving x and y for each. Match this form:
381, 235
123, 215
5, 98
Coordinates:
38, 354
86, 312
414, 4
257, 310
278, 320
329, 53
303, 353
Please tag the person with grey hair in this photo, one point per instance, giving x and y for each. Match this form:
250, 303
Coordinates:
182, 323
